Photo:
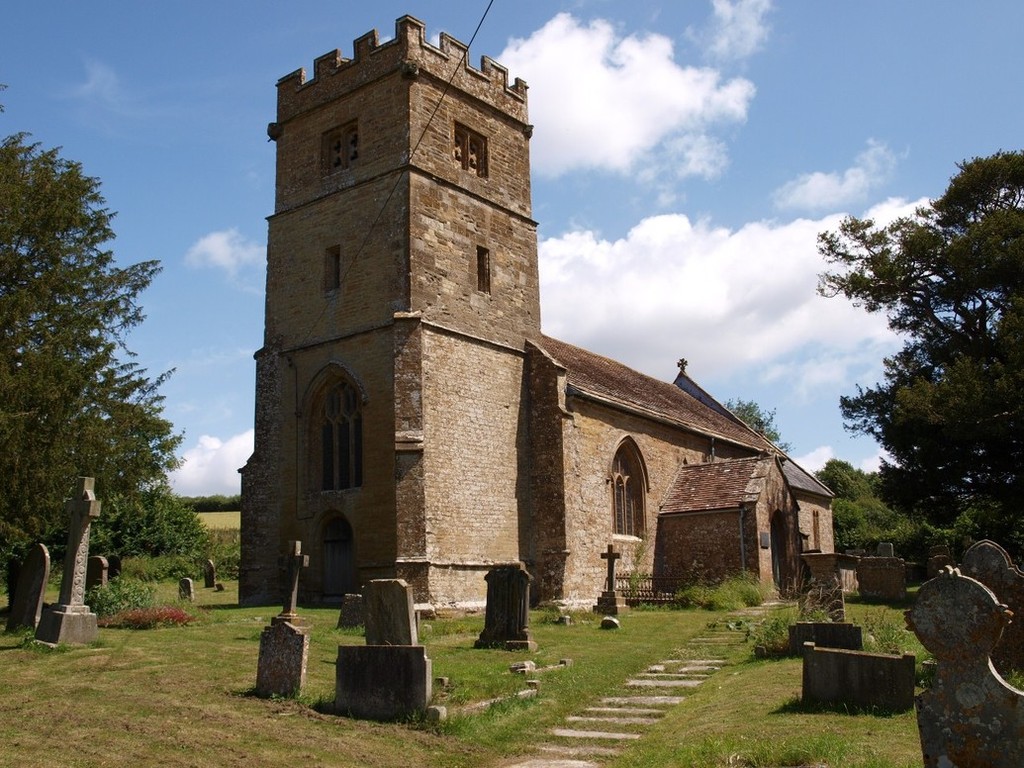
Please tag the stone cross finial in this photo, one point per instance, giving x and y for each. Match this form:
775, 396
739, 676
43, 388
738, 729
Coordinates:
611, 556
295, 562
81, 508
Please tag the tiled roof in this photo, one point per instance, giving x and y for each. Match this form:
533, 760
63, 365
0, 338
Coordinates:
718, 485
800, 478
619, 384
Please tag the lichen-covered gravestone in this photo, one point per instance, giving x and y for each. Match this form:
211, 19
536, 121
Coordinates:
187, 590
284, 645
970, 717
507, 619
352, 612
390, 676
990, 564
96, 572
71, 621
27, 606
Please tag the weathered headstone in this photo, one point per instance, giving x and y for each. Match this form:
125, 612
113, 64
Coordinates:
838, 676
390, 677
990, 564
187, 590
27, 605
390, 618
882, 578
969, 716
70, 620
507, 617
352, 613
96, 572
939, 557
284, 645
113, 566
209, 574
610, 602
885, 549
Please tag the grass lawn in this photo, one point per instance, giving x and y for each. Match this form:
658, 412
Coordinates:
182, 697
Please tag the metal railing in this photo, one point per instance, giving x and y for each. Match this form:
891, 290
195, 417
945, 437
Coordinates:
643, 588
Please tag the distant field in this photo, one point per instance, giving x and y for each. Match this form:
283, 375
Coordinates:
221, 520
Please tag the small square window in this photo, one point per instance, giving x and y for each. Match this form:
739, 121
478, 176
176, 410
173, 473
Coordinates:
340, 148
470, 150
332, 268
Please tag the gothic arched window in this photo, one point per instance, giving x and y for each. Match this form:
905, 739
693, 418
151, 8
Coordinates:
628, 491
341, 438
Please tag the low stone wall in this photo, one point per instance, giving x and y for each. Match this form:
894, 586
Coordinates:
834, 676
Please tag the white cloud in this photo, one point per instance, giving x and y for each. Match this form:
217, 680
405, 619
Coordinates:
727, 300
211, 466
816, 459
739, 28
101, 85
664, 117
821, 191
230, 252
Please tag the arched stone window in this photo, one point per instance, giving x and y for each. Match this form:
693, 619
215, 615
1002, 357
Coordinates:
628, 490
341, 437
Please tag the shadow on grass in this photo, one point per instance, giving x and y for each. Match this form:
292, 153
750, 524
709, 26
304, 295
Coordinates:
797, 706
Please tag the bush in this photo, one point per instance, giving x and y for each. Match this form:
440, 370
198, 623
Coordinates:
886, 632
148, 618
225, 549
772, 633
742, 591
120, 594
158, 524
161, 568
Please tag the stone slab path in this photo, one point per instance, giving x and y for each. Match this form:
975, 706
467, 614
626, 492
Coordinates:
603, 728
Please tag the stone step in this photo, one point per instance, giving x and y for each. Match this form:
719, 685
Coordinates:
545, 762
611, 720
579, 749
643, 701
651, 683
710, 662
572, 733
674, 675
625, 711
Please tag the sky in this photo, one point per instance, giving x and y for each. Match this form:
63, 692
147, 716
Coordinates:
685, 157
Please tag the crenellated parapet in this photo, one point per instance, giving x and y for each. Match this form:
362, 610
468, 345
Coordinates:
408, 54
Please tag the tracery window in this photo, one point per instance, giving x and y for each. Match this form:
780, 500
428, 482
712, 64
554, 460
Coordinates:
628, 491
340, 148
341, 438
470, 150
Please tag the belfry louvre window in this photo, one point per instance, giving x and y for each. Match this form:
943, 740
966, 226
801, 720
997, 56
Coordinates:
470, 150
628, 491
341, 438
483, 269
340, 148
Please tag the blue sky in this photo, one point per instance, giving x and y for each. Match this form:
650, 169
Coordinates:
685, 157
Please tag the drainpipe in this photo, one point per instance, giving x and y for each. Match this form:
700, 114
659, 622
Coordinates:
743, 544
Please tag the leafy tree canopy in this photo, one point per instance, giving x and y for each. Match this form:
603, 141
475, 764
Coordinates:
71, 401
950, 280
758, 419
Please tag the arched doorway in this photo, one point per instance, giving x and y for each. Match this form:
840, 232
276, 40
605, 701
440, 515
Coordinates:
339, 561
778, 541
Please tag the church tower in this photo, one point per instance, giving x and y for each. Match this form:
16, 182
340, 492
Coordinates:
402, 286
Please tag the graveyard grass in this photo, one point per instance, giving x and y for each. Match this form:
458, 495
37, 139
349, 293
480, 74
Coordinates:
182, 696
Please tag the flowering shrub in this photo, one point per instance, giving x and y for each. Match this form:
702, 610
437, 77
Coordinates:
148, 618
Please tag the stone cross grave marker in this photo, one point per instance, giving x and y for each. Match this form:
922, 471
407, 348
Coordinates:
990, 564
969, 716
390, 617
209, 574
507, 617
610, 602
611, 555
27, 606
96, 572
71, 621
294, 563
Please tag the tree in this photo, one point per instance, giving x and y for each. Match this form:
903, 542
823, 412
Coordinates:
71, 400
950, 280
758, 419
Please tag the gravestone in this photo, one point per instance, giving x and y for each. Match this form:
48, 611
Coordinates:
13, 567
390, 677
990, 564
882, 578
187, 590
610, 602
209, 574
352, 613
885, 549
27, 605
969, 716
939, 557
390, 618
70, 620
113, 566
284, 645
866, 680
96, 572
507, 618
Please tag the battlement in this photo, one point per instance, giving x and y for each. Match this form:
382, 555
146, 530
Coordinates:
408, 53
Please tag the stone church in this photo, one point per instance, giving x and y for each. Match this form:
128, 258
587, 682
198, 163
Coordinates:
413, 421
